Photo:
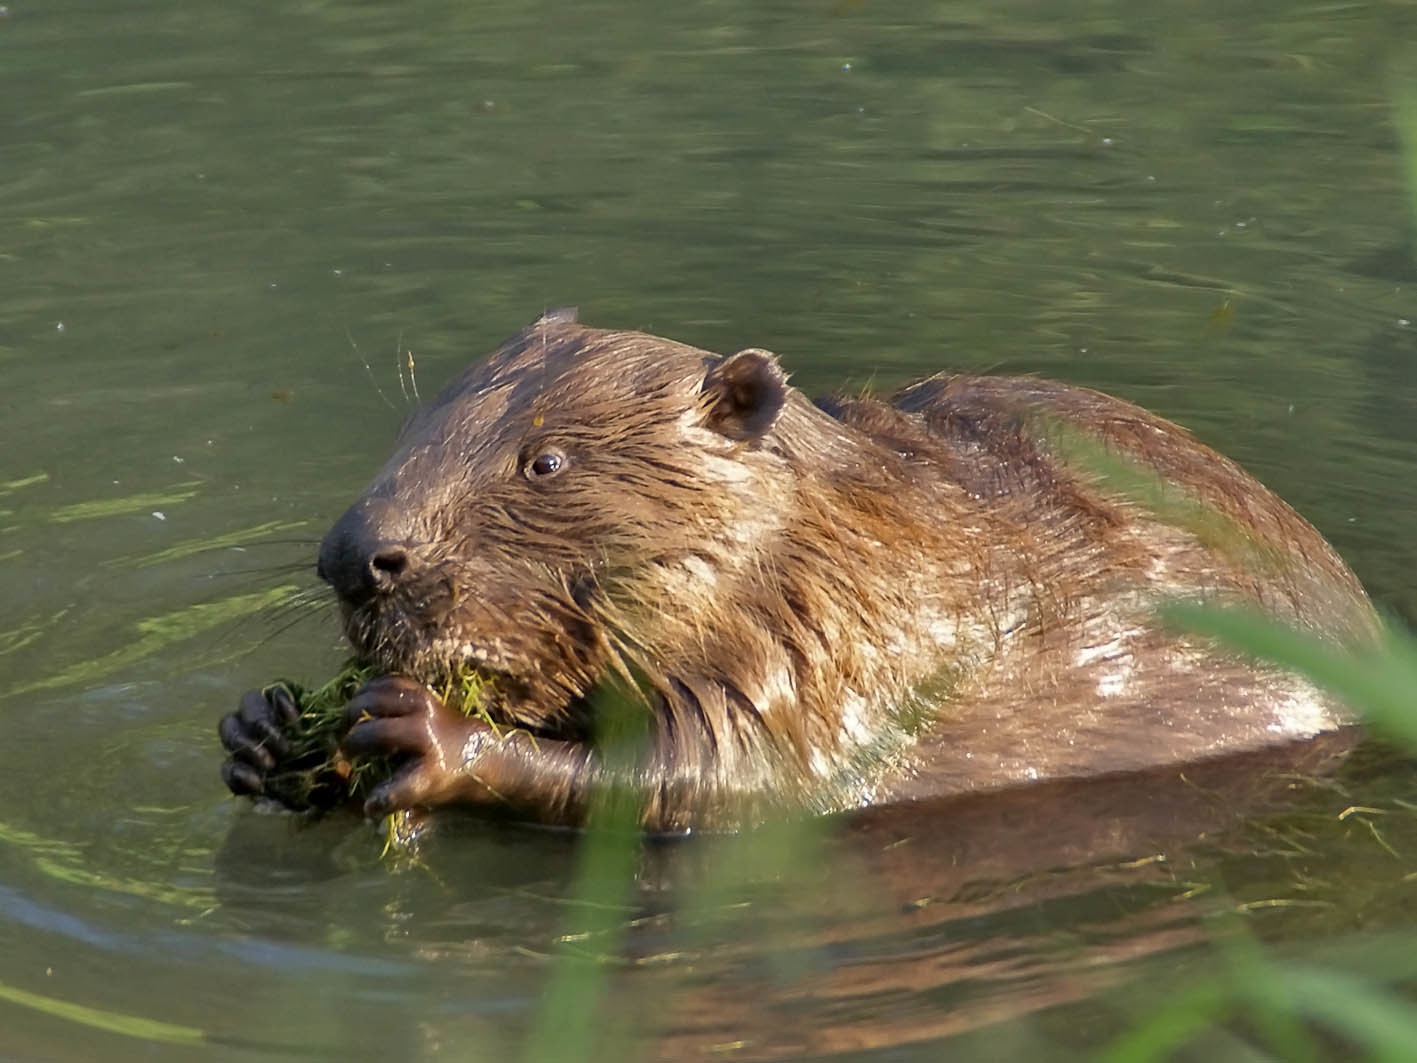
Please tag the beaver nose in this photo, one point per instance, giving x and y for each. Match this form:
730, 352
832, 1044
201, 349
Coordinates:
365, 553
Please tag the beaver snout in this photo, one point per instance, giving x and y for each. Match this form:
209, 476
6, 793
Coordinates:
366, 553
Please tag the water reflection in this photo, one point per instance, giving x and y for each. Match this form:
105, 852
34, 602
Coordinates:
894, 927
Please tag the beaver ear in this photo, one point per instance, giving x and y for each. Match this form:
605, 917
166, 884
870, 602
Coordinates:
744, 394
557, 315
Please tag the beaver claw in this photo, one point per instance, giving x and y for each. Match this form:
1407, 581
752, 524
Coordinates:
389, 717
257, 735
396, 716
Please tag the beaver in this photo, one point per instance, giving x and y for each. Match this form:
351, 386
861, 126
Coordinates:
815, 606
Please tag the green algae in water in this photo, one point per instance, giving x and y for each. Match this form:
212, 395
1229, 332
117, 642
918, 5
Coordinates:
315, 775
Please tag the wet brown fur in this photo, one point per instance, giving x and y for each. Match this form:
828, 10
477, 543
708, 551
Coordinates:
822, 605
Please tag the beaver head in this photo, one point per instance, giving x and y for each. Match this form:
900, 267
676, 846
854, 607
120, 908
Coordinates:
557, 507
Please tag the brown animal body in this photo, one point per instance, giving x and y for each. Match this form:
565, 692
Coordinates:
821, 605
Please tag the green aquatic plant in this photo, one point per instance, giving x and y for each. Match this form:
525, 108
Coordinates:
1296, 1005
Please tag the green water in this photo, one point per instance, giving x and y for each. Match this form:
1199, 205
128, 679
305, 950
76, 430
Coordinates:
213, 217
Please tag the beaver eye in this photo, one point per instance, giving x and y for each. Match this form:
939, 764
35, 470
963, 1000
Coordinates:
545, 465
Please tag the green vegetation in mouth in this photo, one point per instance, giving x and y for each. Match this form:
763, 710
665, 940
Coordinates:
315, 774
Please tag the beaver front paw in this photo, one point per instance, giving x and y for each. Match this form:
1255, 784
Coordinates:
265, 762
394, 716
